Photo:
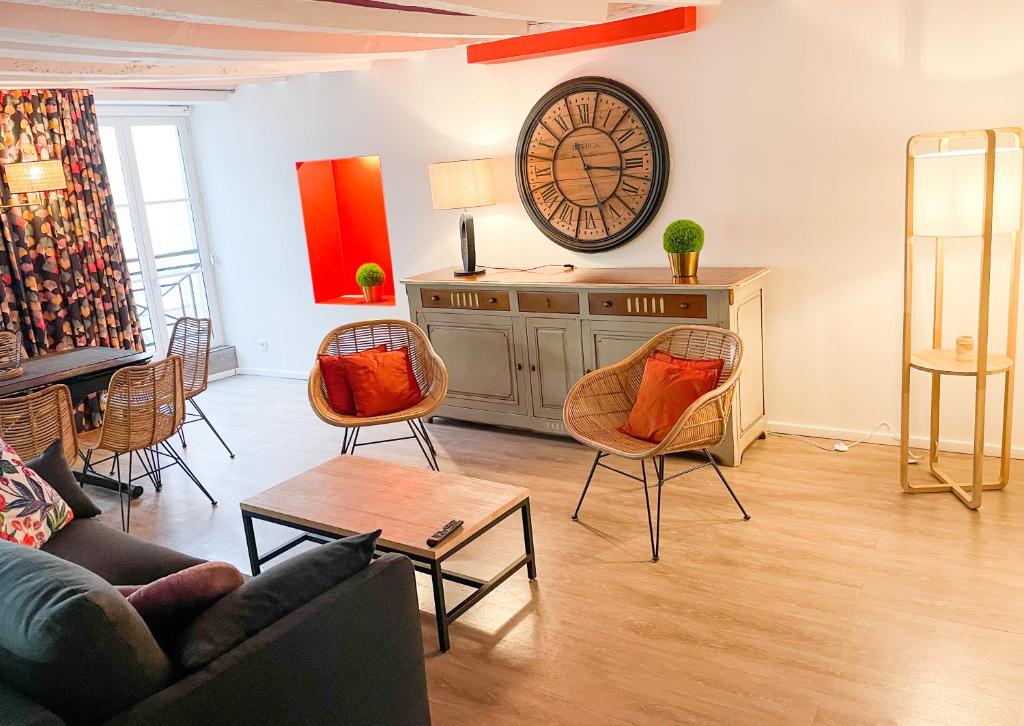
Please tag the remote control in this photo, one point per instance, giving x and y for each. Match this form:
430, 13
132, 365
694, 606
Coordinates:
435, 539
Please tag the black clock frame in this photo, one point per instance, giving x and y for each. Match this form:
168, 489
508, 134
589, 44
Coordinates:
660, 162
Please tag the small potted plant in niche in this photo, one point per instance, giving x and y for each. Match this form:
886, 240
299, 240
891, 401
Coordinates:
370, 277
683, 241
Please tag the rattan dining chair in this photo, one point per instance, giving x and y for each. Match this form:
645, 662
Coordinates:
431, 375
601, 402
190, 339
31, 423
145, 407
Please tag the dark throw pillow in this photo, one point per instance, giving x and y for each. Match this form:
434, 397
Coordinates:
172, 602
54, 470
270, 596
70, 641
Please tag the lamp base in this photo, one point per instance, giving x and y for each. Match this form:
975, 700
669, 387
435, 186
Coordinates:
469, 267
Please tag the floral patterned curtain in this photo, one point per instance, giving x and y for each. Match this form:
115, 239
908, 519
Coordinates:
64, 282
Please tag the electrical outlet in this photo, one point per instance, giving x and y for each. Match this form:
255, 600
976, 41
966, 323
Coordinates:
264, 344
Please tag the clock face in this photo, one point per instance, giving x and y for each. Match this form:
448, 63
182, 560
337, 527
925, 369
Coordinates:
592, 164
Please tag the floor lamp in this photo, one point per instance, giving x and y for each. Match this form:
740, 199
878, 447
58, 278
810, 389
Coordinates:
962, 184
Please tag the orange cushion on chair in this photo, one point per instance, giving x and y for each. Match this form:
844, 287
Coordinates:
339, 392
704, 364
382, 383
666, 391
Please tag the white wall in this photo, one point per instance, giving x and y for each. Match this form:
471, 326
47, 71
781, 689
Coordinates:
787, 121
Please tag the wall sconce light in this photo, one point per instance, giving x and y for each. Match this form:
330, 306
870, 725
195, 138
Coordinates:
33, 177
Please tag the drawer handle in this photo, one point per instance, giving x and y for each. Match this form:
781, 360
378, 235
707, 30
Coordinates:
533, 369
607, 303
588, 370
435, 298
684, 306
519, 366
492, 300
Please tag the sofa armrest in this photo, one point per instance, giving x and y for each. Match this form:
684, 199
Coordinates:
352, 655
19, 710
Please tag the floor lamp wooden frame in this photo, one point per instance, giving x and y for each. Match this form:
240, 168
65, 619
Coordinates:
939, 362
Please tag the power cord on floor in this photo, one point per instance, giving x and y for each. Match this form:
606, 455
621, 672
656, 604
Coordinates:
842, 446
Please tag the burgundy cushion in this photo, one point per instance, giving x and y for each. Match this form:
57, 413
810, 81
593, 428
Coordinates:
170, 603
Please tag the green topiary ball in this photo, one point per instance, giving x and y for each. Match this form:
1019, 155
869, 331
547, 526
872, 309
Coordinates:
369, 275
684, 235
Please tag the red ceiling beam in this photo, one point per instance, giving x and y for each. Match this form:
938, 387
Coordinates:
587, 37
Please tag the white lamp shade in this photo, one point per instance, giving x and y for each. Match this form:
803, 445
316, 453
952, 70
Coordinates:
461, 184
949, 193
35, 176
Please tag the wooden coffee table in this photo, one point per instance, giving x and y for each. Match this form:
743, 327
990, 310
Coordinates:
353, 494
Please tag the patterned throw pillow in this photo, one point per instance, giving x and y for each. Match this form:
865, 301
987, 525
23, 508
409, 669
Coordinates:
30, 509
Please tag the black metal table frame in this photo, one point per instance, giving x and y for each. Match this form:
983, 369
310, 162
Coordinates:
432, 567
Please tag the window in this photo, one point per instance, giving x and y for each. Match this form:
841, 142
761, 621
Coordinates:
149, 163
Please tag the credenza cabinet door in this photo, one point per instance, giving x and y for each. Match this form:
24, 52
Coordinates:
556, 362
485, 370
608, 342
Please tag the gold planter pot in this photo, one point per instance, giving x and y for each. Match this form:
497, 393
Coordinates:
684, 264
373, 294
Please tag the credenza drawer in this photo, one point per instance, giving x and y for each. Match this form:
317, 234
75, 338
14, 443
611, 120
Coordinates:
465, 299
650, 305
567, 303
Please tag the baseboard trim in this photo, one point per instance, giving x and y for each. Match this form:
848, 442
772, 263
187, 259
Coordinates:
273, 373
222, 375
916, 442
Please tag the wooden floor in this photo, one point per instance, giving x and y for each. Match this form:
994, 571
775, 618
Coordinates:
841, 601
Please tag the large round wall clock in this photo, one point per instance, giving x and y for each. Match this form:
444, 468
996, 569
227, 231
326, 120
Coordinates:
592, 164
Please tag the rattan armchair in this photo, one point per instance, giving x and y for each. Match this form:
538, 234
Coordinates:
33, 422
601, 401
431, 375
145, 407
190, 339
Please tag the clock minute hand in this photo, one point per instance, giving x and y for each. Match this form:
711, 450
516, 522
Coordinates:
609, 168
586, 168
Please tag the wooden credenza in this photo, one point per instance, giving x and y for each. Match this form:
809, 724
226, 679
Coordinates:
515, 342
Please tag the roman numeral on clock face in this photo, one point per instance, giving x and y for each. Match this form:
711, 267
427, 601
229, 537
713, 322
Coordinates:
561, 123
625, 135
634, 162
549, 193
589, 220
583, 110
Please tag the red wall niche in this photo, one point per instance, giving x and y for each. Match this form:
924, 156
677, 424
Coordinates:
346, 226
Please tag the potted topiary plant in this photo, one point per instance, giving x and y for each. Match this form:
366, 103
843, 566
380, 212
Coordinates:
683, 241
370, 277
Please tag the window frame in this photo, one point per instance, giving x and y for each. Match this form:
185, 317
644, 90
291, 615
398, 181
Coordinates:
122, 118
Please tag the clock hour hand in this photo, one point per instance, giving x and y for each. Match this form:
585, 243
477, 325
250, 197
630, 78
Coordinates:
609, 168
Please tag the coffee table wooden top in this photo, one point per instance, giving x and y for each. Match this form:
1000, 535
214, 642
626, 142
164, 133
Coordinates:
353, 494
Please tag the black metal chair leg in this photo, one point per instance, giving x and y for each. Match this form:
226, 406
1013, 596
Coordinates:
128, 519
184, 467
426, 437
655, 540
120, 492
344, 441
353, 441
426, 452
726, 482
593, 468
215, 432
181, 437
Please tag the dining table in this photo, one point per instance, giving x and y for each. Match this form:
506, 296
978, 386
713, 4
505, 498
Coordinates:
84, 371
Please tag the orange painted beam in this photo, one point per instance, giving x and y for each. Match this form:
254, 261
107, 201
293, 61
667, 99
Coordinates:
588, 37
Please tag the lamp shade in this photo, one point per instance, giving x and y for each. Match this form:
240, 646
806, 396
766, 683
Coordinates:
461, 184
35, 176
949, 193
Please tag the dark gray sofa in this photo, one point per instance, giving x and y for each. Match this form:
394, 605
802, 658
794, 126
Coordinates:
353, 654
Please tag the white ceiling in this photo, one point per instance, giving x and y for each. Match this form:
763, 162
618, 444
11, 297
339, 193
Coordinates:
218, 44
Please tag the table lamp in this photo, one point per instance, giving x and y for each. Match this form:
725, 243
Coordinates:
461, 185
964, 184
31, 177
